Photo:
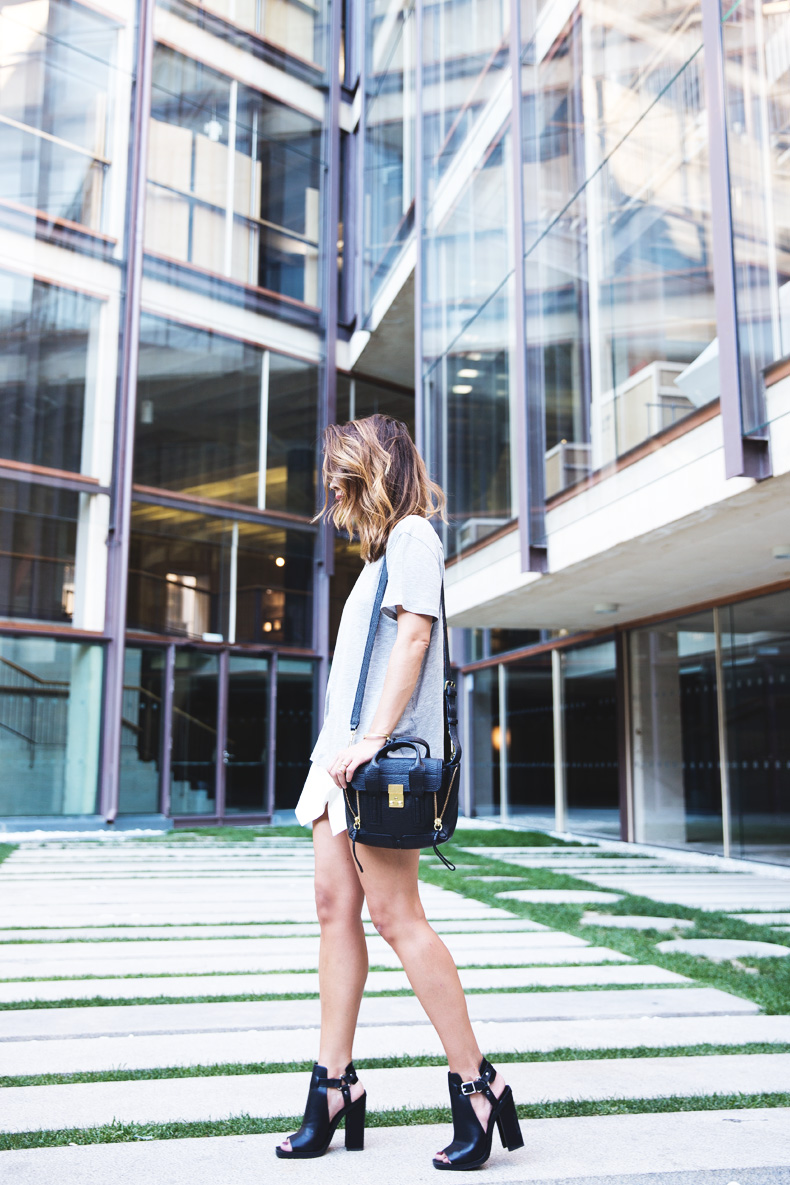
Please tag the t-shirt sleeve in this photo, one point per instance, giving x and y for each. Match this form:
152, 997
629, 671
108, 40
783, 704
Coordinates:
414, 576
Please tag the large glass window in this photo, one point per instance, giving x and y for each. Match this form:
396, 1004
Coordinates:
56, 108
297, 26
234, 180
141, 730
50, 716
467, 325
359, 397
621, 322
47, 337
220, 418
589, 707
389, 140
756, 652
195, 576
677, 786
38, 549
198, 412
757, 77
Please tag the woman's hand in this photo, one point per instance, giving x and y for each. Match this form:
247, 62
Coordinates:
341, 771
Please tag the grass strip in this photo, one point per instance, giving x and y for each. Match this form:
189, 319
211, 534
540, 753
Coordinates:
525, 989
764, 981
243, 1125
5, 850
235, 1069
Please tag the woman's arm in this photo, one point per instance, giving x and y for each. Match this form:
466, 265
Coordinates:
403, 671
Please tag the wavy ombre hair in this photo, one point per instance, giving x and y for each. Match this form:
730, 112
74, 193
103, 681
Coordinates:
383, 479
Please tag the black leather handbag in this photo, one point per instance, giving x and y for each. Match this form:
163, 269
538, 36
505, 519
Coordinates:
411, 800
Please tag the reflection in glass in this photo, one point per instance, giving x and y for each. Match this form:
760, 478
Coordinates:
234, 180
296, 729
198, 412
248, 715
589, 705
677, 788
50, 715
467, 320
465, 51
46, 335
756, 652
38, 548
291, 450
56, 108
358, 397
485, 738
179, 572
194, 739
621, 329
757, 80
297, 26
389, 140
274, 573
141, 730
530, 741
348, 566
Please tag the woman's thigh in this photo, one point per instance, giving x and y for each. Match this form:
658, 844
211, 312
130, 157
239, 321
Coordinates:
338, 893
391, 885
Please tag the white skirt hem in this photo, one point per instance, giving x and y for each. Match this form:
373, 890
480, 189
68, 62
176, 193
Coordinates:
318, 793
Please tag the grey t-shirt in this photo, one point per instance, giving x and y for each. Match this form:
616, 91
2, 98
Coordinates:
415, 568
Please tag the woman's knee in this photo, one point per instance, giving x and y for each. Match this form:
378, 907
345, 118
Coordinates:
336, 905
394, 919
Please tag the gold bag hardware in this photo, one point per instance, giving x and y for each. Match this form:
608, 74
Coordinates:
395, 791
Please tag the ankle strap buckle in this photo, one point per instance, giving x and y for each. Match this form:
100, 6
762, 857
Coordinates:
469, 1088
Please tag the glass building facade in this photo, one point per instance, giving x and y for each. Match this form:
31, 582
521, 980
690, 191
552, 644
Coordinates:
554, 239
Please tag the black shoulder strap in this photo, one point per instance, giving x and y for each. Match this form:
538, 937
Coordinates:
450, 694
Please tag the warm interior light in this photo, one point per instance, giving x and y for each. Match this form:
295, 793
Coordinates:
267, 627
467, 373
280, 561
461, 389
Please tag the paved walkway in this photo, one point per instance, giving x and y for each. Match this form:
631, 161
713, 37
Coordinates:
139, 952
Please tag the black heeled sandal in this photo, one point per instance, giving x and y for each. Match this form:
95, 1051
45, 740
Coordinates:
315, 1134
471, 1146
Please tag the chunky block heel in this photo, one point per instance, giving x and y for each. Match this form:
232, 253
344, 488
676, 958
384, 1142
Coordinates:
355, 1126
315, 1134
507, 1122
471, 1146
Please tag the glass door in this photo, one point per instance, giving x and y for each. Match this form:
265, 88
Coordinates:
141, 730
247, 743
193, 762
589, 704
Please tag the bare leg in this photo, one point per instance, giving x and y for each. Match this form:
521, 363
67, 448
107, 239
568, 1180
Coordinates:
390, 885
343, 955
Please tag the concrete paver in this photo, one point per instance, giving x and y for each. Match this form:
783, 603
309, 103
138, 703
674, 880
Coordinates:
635, 922
276, 983
556, 1150
66, 1056
143, 1019
187, 1100
720, 949
559, 896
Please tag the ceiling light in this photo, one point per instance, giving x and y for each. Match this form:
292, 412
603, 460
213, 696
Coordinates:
607, 607
461, 389
782, 551
466, 373
280, 561
213, 130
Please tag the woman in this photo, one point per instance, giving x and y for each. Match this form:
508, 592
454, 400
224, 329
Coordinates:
382, 492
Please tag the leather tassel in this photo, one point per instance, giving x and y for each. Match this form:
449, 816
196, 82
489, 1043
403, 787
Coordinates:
442, 857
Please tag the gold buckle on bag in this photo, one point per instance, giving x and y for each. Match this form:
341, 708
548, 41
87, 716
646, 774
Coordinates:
395, 792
